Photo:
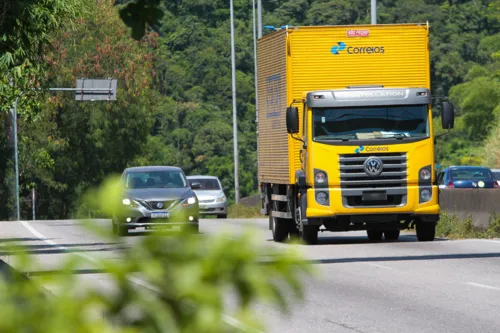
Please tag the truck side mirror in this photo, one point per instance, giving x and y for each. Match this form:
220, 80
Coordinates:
447, 116
292, 119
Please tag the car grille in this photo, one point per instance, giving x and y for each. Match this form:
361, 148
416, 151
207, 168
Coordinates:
164, 204
353, 175
207, 201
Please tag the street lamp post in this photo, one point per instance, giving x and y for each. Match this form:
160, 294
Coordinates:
235, 124
374, 11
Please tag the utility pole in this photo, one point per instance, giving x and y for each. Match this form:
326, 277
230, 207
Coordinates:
374, 11
235, 119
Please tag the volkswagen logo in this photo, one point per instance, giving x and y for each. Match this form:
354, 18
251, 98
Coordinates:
159, 205
373, 166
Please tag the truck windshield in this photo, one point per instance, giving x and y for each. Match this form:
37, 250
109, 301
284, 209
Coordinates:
399, 122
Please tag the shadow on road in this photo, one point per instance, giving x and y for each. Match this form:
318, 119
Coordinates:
60, 248
361, 239
408, 258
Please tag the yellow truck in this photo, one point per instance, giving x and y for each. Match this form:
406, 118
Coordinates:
345, 131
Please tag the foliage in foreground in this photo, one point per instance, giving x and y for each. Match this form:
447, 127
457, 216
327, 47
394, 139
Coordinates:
451, 226
188, 277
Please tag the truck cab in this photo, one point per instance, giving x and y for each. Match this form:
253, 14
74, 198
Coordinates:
367, 161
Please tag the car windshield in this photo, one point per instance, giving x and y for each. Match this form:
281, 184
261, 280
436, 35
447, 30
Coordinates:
206, 184
406, 121
155, 179
471, 174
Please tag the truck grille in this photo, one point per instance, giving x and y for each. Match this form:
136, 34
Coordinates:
353, 175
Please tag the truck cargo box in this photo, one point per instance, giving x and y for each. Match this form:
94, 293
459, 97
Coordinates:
296, 60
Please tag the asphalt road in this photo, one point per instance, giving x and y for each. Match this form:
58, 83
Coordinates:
404, 286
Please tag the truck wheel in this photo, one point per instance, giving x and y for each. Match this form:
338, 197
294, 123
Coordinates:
280, 229
374, 235
392, 235
309, 234
426, 232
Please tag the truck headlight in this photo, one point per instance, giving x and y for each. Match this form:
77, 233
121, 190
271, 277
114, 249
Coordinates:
425, 195
322, 198
320, 177
425, 174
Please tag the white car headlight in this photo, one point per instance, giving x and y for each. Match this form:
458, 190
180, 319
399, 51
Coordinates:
191, 200
126, 202
221, 198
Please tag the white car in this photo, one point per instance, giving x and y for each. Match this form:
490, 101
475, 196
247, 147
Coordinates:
211, 197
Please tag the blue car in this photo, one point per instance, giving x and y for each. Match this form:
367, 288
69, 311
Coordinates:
467, 177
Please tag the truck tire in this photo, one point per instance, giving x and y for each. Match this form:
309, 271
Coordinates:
392, 235
374, 235
426, 232
309, 234
280, 228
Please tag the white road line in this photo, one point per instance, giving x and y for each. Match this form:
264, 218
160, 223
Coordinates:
376, 265
482, 286
227, 319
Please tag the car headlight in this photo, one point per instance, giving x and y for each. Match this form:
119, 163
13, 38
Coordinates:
188, 201
221, 198
131, 203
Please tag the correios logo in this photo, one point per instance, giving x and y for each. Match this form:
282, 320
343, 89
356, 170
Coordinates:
371, 149
359, 149
341, 46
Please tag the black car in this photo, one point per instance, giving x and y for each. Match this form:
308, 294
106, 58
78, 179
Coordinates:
156, 196
467, 177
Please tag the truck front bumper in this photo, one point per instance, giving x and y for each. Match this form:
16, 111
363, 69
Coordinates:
335, 206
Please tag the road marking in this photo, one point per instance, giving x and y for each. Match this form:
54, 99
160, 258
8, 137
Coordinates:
482, 286
226, 318
376, 265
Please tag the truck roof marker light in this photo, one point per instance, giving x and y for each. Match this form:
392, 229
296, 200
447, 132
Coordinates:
269, 27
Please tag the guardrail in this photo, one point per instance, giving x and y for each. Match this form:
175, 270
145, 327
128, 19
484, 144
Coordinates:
478, 204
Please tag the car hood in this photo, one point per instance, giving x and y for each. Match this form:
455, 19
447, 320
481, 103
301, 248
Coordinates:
207, 194
159, 194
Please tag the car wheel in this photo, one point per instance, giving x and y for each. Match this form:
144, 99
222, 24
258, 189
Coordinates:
392, 235
192, 228
374, 235
122, 231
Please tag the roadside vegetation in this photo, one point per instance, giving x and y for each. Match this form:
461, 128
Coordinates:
240, 211
174, 86
451, 226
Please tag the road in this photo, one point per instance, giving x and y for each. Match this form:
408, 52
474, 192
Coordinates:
404, 286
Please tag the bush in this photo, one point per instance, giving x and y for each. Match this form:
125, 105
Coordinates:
451, 226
